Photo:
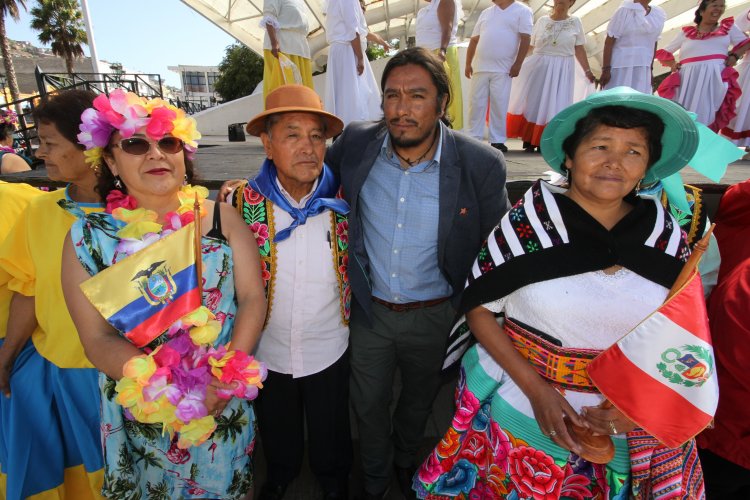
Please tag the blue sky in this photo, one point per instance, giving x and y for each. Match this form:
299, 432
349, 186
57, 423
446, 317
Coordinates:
144, 35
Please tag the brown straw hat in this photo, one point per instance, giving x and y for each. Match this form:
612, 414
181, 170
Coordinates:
294, 98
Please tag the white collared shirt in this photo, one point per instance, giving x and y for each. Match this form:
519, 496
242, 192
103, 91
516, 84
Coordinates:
304, 334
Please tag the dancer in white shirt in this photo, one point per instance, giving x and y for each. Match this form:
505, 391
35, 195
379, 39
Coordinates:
500, 42
630, 45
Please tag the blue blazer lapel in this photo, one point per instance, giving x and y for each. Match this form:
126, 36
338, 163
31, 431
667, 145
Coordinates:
370, 153
450, 180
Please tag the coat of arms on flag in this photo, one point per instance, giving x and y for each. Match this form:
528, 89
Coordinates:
145, 293
156, 283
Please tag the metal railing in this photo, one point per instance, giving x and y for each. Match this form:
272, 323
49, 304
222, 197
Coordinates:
101, 83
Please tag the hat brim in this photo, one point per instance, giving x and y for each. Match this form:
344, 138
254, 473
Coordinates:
333, 124
679, 141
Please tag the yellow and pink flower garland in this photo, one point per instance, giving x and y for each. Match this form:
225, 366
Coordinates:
168, 385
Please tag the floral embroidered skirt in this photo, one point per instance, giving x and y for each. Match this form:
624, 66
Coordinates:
494, 450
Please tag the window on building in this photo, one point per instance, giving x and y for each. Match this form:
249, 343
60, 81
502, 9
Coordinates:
212, 77
194, 81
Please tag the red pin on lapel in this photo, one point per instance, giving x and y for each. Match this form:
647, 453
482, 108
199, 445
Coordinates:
464, 211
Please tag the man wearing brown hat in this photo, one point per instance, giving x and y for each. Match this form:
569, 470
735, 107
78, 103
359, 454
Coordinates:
302, 234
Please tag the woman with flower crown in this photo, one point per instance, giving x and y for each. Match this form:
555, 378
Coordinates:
171, 427
49, 407
10, 160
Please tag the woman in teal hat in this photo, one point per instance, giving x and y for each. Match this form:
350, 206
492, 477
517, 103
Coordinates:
565, 274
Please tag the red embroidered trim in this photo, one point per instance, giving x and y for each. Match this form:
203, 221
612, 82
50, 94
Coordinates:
692, 32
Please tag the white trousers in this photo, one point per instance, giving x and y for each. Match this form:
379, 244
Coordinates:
494, 88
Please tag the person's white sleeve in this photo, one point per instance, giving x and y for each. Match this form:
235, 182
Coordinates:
480, 24
736, 35
616, 26
676, 43
526, 23
271, 13
580, 35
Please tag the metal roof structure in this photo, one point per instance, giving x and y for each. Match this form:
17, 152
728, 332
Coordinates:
395, 19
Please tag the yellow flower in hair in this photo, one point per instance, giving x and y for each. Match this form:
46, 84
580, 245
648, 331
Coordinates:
207, 333
93, 156
185, 129
154, 103
196, 432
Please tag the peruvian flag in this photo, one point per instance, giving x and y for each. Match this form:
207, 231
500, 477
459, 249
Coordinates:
662, 375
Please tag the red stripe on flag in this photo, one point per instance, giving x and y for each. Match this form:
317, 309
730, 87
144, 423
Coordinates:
155, 325
688, 309
672, 419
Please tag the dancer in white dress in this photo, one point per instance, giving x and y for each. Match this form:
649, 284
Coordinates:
436, 30
352, 92
630, 45
738, 129
704, 81
546, 83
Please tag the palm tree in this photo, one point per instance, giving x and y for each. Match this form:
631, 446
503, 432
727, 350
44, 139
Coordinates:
9, 8
60, 24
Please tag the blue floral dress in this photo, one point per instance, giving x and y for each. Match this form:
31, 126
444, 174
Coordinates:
139, 461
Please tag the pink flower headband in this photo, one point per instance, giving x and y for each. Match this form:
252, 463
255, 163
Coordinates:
8, 117
131, 114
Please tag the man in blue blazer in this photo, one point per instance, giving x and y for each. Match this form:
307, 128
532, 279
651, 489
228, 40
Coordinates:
423, 198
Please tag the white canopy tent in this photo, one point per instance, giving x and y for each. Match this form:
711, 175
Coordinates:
395, 19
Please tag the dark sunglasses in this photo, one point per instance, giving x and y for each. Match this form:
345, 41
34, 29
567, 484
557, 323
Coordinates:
139, 146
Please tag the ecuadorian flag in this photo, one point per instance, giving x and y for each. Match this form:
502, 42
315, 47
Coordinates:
143, 294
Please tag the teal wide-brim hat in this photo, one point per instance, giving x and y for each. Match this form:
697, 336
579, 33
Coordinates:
679, 141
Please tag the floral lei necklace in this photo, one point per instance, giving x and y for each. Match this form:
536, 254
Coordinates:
168, 385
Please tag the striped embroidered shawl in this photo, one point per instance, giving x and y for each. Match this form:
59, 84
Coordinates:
546, 235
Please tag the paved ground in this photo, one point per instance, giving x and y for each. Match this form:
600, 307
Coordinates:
221, 160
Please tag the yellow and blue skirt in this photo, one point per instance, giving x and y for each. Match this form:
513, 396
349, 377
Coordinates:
280, 71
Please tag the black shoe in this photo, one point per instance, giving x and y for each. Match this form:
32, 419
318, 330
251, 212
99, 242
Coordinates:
271, 491
404, 477
501, 146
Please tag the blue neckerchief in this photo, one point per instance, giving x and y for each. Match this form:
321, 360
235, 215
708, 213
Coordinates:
322, 198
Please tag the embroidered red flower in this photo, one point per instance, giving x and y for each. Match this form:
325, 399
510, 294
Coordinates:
344, 268
266, 274
535, 474
117, 199
342, 231
260, 231
252, 198
475, 447
524, 230
468, 406
430, 470
575, 486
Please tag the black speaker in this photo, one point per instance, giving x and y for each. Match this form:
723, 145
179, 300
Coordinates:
237, 132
